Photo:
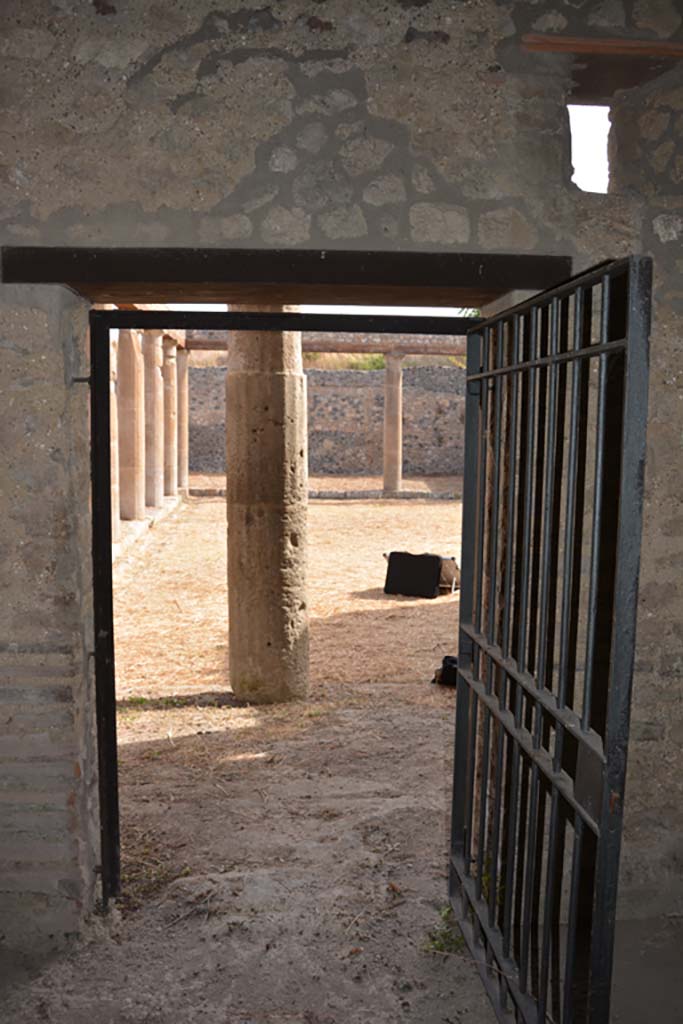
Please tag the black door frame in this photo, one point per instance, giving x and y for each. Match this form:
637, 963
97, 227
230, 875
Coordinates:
101, 323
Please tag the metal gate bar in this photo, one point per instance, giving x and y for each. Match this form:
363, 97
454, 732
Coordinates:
555, 442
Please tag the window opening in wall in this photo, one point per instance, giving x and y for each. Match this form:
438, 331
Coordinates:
590, 127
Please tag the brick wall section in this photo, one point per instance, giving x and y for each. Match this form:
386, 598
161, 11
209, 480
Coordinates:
345, 420
48, 833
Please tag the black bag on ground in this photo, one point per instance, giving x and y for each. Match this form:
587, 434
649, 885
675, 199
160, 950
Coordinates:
447, 675
413, 575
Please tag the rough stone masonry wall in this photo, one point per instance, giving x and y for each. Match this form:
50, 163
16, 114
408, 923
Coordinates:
647, 156
412, 125
345, 420
48, 831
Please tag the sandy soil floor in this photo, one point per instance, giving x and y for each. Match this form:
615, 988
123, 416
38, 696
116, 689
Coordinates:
281, 865
426, 485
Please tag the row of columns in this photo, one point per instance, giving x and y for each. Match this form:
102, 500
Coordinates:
149, 423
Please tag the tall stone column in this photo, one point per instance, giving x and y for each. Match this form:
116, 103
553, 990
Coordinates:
393, 423
114, 442
267, 494
183, 421
170, 370
131, 395
152, 350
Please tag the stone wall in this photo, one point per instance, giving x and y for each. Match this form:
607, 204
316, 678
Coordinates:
417, 125
345, 420
49, 839
647, 157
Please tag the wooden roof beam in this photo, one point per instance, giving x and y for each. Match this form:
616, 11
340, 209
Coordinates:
595, 45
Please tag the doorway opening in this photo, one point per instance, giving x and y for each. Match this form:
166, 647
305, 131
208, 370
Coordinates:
376, 835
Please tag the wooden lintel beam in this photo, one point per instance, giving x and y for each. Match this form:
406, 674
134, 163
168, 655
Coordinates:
602, 47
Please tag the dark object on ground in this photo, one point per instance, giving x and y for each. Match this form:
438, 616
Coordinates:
447, 675
450, 575
410, 568
413, 575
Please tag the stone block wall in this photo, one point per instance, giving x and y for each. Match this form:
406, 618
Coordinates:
345, 420
49, 839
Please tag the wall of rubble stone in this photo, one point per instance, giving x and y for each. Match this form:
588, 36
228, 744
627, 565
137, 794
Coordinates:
647, 157
345, 420
49, 836
409, 125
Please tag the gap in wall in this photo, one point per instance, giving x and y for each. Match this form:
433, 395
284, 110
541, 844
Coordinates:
590, 127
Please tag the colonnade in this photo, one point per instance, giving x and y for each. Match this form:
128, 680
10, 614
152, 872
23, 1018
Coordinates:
149, 417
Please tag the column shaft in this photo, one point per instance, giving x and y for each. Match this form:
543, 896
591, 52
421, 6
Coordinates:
170, 418
393, 423
267, 485
130, 387
183, 421
152, 350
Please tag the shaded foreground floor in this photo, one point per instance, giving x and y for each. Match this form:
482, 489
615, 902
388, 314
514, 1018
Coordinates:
282, 865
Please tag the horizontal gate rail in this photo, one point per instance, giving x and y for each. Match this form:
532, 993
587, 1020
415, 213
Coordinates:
554, 454
320, 323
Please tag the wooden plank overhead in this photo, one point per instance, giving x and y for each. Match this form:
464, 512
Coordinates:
255, 276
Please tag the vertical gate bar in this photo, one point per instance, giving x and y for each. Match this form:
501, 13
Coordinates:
583, 371
512, 446
482, 495
537, 518
544, 347
465, 660
547, 793
597, 503
569, 523
556, 835
543, 724
103, 609
511, 816
477, 711
547, 506
552, 448
495, 509
629, 527
501, 677
481, 846
510, 526
570, 956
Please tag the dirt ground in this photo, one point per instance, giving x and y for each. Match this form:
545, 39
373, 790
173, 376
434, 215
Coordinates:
281, 865
425, 485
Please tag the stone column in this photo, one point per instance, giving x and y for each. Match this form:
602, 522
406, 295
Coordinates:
114, 442
393, 423
131, 395
152, 350
170, 370
267, 494
183, 421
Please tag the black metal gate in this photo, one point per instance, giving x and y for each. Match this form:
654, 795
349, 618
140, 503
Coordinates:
555, 446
